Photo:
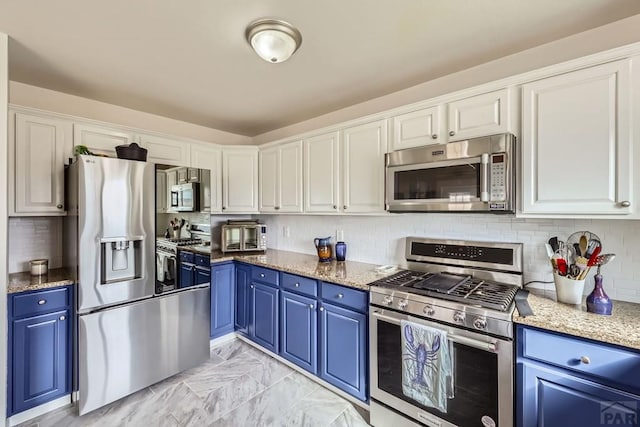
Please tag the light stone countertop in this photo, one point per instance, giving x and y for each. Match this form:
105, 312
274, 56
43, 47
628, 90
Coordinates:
23, 282
348, 273
621, 328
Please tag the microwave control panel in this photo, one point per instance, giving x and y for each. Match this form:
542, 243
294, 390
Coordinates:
498, 190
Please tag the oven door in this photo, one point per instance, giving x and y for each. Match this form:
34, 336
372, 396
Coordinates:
447, 185
166, 270
482, 371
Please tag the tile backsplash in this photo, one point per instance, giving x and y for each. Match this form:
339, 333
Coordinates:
34, 238
380, 240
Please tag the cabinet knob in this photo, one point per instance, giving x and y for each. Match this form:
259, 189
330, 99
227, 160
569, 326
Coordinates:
62, 317
340, 296
434, 136
585, 360
625, 204
224, 207
345, 207
297, 285
251, 286
261, 274
42, 302
59, 206
311, 306
451, 133
321, 308
277, 208
335, 207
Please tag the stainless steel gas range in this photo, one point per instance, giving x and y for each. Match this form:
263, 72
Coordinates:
465, 291
167, 262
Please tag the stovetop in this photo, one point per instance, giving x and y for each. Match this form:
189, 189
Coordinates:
180, 242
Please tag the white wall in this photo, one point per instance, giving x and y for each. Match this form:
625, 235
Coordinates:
4, 81
380, 240
45, 99
609, 36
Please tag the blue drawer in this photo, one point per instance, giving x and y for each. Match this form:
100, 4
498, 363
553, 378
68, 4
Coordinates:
599, 361
203, 260
299, 284
186, 256
264, 275
41, 302
348, 297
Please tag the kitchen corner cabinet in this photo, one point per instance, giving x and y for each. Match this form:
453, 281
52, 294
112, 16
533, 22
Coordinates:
240, 180
576, 142
563, 380
209, 158
363, 150
40, 347
165, 151
40, 148
222, 293
321, 173
100, 140
161, 191
281, 178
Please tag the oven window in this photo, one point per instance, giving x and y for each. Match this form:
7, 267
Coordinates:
455, 183
475, 378
251, 238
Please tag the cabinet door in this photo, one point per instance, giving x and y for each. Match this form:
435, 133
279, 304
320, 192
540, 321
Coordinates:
299, 329
172, 179
576, 142
321, 173
165, 151
343, 349
41, 356
181, 175
242, 299
186, 275
480, 115
41, 145
264, 316
363, 153
417, 128
209, 158
161, 192
290, 179
548, 397
240, 181
222, 290
201, 275
100, 140
269, 179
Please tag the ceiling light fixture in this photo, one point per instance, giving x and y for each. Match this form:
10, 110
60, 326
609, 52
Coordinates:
273, 40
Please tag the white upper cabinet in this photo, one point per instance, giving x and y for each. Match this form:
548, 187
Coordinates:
165, 150
281, 178
161, 191
479, 115
40, 147
417, 128
363, 150
170, 180
576, 142
100, 140
209, 157
321, 173
240, 180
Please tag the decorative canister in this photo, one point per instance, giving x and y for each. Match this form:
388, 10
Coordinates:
39, 267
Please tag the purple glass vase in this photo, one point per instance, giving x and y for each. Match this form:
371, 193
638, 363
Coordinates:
598, 301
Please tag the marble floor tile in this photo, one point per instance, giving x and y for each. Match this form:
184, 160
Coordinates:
270, 371
230, 349
319, 408
205, 380
350, 417
228, 397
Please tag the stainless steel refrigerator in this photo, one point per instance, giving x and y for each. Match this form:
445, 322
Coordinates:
127, 337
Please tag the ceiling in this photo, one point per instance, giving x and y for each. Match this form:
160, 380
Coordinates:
189, 60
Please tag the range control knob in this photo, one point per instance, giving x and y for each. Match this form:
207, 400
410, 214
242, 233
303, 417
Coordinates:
458, 317
402, 304
480, 323
387, 300
429, 310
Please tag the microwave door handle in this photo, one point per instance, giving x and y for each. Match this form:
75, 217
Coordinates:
242, 231
484, 177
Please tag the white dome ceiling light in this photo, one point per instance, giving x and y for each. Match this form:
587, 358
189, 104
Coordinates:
273, 40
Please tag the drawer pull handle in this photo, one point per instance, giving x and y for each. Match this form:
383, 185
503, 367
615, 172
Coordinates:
42, 302
340, 296
297, 285
585, 360
62, 318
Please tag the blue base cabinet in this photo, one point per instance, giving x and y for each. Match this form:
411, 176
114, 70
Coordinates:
242, 299
222, 299
299, 330
40, 347
564, 381
194, 269
263, 328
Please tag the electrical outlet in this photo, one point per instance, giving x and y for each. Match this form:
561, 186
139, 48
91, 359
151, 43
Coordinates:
339, 235
286, 232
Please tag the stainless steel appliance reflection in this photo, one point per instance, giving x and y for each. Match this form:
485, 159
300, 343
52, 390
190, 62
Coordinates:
127, 338
466, 290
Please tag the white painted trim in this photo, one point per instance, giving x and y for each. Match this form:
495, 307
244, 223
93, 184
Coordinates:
4, 159
309, 375
32, 413
223, 339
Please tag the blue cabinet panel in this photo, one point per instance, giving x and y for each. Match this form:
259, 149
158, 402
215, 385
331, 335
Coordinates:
264, 316
299, 284
42, 301
242, 297
346, 297
186, 275
343, 349
222, 296
298, 327
265, 275
201, 276
40, 360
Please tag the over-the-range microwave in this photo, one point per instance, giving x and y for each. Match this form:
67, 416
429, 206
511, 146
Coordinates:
474, 175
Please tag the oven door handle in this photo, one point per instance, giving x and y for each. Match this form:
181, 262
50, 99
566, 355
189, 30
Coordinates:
460, 339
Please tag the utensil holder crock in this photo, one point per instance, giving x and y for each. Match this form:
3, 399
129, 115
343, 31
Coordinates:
568, 291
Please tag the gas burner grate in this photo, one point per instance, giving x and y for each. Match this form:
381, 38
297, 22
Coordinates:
403, 278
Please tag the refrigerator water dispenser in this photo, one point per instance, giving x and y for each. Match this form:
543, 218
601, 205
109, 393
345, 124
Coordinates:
121, 260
